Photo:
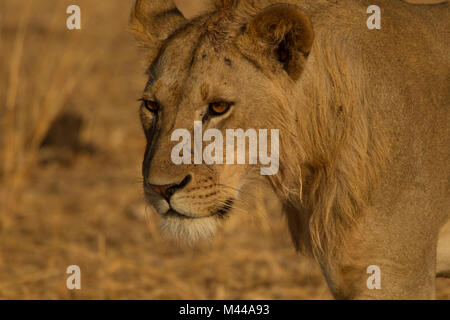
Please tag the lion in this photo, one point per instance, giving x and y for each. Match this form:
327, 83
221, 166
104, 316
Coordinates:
362, 114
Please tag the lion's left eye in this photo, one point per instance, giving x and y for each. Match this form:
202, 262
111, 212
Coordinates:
219, 108
151, 106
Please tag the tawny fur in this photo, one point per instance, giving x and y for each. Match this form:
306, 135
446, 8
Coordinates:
366, 113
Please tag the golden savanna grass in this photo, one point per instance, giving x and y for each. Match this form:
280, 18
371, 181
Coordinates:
90, 210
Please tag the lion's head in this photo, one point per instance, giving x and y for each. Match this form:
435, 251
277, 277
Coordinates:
243, 66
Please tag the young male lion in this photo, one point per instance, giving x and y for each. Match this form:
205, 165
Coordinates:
363, 119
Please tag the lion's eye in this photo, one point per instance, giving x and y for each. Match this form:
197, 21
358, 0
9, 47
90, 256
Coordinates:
151, 106
219, 108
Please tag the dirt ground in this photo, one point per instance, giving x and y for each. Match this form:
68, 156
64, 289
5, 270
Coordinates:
83, 204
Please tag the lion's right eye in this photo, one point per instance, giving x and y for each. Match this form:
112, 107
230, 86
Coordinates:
151, 106
219, 108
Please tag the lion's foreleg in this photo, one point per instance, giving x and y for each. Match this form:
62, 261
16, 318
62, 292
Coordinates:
387, 257
443, 252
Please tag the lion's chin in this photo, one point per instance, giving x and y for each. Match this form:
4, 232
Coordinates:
189, 230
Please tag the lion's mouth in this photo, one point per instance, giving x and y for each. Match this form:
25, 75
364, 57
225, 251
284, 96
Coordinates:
221, 212
176, 214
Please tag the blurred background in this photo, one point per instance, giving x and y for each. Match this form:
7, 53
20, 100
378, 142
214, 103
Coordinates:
70, 186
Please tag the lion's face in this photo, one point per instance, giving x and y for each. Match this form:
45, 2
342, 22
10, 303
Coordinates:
221, 90
194, 80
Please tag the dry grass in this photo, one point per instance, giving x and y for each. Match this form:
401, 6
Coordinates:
91, 213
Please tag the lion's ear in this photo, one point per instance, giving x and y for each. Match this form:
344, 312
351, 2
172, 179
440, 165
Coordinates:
193, 8
285, 33
153, 20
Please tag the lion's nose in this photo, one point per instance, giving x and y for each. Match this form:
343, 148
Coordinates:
167, 190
